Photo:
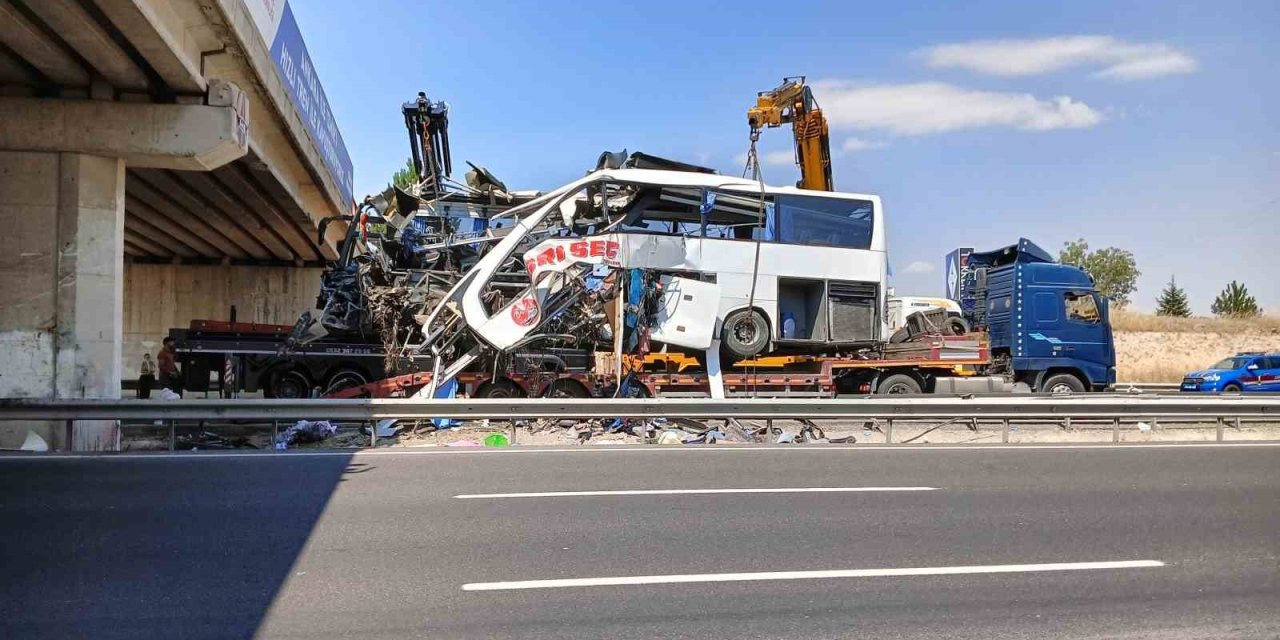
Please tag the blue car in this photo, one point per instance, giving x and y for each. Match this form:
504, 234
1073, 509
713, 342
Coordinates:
1241, 373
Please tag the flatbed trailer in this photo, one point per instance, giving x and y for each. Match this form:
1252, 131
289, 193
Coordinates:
935, 364
258, 359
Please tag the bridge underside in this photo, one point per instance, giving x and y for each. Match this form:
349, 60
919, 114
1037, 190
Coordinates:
238, 213
150, 144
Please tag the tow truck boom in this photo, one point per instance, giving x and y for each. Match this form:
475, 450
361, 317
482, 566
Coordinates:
793, 102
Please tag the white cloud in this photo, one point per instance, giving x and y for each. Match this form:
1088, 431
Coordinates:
851, 145
769, 158
1116, 58
919, 266
935, 107
779, 158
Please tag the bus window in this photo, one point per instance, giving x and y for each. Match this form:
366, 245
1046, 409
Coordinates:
814, 220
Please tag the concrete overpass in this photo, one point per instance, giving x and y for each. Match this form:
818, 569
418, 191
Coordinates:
159, 160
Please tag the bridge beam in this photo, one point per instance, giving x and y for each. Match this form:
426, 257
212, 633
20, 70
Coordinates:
163, 136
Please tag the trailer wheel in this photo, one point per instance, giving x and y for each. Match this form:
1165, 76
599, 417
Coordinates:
745, 334
898, 384
289, 384
344, 379
565, 388
1062, 383
499, 389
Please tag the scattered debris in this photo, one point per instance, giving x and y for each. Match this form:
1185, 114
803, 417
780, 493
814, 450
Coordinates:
306, 432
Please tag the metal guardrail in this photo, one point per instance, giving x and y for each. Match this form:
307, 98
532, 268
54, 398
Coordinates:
923, 407
1147, 386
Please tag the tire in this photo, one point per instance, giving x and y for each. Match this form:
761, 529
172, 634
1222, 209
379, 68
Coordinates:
499, 389
1062, 383
955, 326
288, 383
898, 384
565, 388
344, 379
1231, 387
744, 335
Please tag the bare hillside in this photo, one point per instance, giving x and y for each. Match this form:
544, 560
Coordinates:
1156, 349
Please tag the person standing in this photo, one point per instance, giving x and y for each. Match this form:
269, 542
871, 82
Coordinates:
170, 376
146, 377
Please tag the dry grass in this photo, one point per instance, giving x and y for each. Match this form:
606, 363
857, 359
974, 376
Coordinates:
1157, 349
1123, 320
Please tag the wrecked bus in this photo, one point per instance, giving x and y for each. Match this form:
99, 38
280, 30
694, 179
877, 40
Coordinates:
776, 279
806, 276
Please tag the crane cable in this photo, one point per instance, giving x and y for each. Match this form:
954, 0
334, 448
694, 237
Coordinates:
753, 165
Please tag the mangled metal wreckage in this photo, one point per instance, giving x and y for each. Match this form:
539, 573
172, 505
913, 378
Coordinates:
640, 254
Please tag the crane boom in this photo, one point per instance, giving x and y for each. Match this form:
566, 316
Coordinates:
793, 102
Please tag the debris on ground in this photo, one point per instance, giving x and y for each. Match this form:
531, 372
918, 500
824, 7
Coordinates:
306, 432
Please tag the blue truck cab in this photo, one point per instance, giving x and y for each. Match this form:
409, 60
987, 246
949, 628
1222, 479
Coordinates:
1047, 325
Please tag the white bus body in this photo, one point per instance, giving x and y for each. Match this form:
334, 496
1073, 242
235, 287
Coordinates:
822, 264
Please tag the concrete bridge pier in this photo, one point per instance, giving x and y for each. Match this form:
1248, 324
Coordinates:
61, 263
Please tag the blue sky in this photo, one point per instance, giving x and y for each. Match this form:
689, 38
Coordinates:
1151, 126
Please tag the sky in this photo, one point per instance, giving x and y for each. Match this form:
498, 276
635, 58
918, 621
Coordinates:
1149, 126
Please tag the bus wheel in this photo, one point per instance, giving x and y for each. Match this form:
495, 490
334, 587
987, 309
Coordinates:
745, 334
898, 384
499, 389
289, 384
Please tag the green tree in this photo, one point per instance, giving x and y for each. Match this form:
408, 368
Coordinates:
405, 177
1114, 271
1235, 302
1173, 301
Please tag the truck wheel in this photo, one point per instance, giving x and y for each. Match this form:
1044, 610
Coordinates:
744, 335
344, 379
289, 384
1062, 383
500, 389
956, 326
897, 384
566, 388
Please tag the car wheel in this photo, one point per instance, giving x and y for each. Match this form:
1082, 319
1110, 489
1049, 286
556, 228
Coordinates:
1062, 383
898, 384
1231, 387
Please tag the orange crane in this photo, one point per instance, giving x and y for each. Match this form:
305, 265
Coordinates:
792, 102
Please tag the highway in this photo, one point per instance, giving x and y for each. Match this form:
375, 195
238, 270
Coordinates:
1172, 541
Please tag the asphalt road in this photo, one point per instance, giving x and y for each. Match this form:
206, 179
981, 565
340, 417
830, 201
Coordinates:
378, 546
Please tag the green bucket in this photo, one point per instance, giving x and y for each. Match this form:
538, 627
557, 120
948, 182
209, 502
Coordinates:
496, 440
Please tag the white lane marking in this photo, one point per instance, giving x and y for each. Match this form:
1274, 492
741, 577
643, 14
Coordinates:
808, 575
197, 455
677, 492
